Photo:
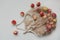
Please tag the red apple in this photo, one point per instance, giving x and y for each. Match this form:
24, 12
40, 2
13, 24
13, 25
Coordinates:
49, 26
49, 10
54, 15
38, 4
15, 32
32, 5
41, 13
22, 14
13, 22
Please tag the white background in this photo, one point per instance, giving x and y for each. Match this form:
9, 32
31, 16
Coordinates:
10, 9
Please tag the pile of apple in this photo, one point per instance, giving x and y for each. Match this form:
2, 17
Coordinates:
50, 23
